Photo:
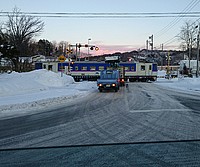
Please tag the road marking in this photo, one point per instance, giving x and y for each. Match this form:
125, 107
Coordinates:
161, 110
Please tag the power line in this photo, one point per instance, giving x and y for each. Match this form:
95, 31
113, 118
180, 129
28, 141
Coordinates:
108, 13
175, 37
182, 14
104, 15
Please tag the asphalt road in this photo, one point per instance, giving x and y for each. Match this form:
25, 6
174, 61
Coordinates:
145, 125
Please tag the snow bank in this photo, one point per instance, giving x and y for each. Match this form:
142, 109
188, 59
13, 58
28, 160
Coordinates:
39, 88
38, 80
184, 84
161, 74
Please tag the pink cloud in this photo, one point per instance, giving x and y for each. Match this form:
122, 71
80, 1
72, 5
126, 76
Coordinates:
109, 49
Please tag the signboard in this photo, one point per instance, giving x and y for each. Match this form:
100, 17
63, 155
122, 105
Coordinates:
61, 58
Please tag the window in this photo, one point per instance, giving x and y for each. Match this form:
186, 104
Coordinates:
84, 68
101, 68
92, 68
150, 67
127, 68
44, 66
142, 68
76, 68
61, 67
132, 68
50, 67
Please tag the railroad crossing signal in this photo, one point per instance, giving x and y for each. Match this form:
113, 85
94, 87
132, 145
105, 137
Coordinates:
69, 51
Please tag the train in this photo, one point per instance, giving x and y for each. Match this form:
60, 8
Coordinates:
90, 70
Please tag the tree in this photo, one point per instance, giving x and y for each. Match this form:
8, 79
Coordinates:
20, 29
188, 35
45, 47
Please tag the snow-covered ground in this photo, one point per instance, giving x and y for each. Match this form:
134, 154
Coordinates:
41, 88
182, 84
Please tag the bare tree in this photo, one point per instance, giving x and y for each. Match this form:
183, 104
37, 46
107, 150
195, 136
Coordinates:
187, 36
20, 29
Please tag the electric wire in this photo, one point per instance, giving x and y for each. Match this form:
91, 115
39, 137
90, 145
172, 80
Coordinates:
185, 12
174, 38
104, 15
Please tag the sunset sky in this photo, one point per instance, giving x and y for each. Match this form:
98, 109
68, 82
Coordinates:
109, 34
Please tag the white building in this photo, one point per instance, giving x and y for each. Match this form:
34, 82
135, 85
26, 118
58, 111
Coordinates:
192, 66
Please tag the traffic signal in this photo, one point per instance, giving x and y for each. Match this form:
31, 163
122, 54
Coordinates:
96, 48
79, 45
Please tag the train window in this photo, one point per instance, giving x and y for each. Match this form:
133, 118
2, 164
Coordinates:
76, 68
132, 68
44, 66
127, 68
101, 68
92, 68
62, 67
150, 68
84, 68
50, 67
142, 68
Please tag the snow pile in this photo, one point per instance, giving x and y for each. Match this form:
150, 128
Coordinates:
39, 88
184, 84
38, 80
161, 74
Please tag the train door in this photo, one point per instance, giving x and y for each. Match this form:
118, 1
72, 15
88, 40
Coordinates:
142, 69
148, 69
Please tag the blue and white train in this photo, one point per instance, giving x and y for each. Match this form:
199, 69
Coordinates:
88, 70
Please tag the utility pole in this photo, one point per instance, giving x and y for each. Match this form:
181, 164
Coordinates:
151, 43
168, 63
162, 46
189, 54
88, 47
147, 44
198, 52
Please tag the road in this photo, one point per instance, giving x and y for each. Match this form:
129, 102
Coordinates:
141, 114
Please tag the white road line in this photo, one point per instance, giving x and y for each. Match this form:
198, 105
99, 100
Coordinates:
161, 110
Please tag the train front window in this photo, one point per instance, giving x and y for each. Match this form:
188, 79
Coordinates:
127, 68
142, 68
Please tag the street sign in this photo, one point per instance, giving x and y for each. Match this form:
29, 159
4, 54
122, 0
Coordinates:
61, 58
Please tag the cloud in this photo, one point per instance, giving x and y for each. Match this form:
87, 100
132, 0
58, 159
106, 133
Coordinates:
109, 49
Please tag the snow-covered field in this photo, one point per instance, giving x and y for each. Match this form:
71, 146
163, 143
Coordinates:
41, 88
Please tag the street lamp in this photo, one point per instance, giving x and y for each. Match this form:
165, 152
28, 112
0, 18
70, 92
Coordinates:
88, 47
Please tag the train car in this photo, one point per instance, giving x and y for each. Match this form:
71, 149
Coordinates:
88, 70
135, 71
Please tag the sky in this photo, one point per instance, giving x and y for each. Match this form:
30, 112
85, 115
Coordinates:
109, 34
